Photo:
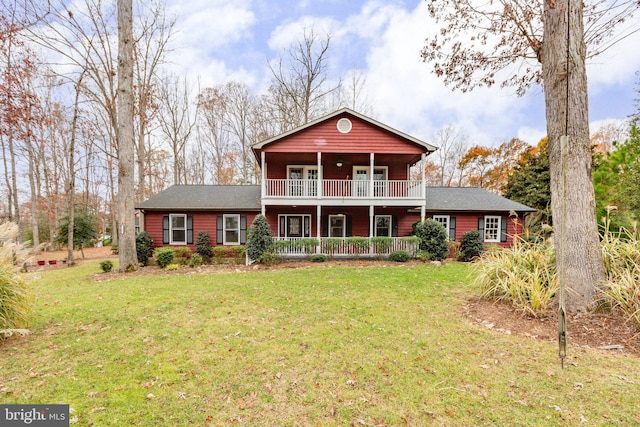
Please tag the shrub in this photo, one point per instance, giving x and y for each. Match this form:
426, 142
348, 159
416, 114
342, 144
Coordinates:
172, 267
471, 246
203, 246
182, 254
318, 258
331, 245
399, 256
524, 276
106, 266
15, 297
196, 260
433, 239
410, 244
163, 256
621, 288
144, 247
259, 238
223, 254
359, 245
307, 244
106, 242
270, 258
381, 244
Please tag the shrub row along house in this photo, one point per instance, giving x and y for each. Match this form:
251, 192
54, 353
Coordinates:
339, 176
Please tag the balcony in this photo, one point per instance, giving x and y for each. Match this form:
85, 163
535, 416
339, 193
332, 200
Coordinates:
343, 189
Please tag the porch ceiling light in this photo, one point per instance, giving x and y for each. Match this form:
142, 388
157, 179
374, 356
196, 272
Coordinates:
339, 163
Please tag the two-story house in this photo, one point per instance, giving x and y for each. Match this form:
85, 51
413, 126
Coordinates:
342, 175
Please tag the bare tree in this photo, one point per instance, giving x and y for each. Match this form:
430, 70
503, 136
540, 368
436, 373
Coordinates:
126, 143
176, 120
452, 143
354, 93
522, 43
301, 90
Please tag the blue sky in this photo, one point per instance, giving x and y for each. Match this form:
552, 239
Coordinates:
218, 41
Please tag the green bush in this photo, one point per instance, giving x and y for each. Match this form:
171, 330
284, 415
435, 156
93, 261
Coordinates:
381, 244
259, 238
271, 258
15, 297
410, 244
106, 266
182, 254
433, 239
307, 244
196, 260
399, 256
172, 267
144, 247
163, 256
222, 254
471, 246
331, 245
359, 245
280, 246
106, 242
524, 276
318, 258
203, 246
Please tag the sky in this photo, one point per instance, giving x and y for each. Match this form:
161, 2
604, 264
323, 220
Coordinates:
219, 40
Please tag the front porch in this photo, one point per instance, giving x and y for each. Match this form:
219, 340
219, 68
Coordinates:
345, 247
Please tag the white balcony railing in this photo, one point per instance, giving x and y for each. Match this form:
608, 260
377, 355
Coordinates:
343, 188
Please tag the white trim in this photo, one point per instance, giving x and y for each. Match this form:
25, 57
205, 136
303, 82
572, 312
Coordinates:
225, 229
497, 228
177, 242
444, 220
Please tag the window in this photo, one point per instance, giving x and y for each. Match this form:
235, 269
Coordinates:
303, 181
231, 229
178, 229
444, 220
336, 225
383, 225
491, 228
294, 226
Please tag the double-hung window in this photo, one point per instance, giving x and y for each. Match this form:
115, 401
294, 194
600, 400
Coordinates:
178, 229
383, 225
444, 220
492, 228
231, 229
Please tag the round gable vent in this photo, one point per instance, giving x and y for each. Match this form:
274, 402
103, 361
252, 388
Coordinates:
344, 125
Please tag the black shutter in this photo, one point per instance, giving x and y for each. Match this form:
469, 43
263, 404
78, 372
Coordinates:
165, 229
219, 230
243, 229
348, 225
189, 229
481, 227
452, 228
394, 226
503, 228
325, 225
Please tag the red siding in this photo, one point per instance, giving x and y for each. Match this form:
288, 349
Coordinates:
364, 137
202, 221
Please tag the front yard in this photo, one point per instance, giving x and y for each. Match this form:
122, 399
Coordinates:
321, 345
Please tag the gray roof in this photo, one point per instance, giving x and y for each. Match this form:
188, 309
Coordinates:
470, 199
205, 197
247, 197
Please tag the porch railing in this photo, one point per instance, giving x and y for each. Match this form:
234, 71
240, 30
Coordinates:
343, 188
366, 247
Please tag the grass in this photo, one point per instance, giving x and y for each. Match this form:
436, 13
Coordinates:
328, 345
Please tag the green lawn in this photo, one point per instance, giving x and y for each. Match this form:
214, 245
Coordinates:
322, 346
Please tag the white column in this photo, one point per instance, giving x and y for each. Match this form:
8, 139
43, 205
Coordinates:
371, 163
423, 188
320, 176
263, 175
319, 226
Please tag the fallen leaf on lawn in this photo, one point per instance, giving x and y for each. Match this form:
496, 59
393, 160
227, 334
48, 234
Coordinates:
150, 396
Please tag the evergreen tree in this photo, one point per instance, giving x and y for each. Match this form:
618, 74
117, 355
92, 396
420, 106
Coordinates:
259, 238
85, 230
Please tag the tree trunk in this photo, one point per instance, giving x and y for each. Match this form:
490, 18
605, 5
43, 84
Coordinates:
125, 139
565, 85
71, 185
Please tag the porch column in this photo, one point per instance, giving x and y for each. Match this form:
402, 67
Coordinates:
371, 163
263, 177
423, 188
319, 227
320, 186
371, 227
